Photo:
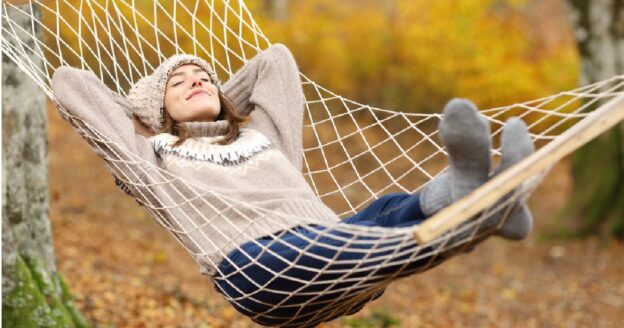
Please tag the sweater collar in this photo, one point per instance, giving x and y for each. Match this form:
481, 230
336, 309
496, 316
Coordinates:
207, 129
249, 143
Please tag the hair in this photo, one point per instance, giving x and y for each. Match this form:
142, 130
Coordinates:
228, 112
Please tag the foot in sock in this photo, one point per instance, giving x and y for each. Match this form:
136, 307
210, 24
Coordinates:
516, 145
466, 137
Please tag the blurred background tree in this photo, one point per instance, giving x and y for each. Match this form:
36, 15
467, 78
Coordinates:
276, 9
33, 292
597, 202
415, 55
406, 55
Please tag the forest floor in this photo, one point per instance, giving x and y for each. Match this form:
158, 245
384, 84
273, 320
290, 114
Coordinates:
125, 270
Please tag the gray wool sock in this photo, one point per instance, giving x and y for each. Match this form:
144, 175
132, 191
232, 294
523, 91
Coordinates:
516, 145
466, 136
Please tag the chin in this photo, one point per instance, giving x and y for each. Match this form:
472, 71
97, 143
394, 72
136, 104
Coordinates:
203, 115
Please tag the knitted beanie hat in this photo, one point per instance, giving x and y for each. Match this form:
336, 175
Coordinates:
147, 96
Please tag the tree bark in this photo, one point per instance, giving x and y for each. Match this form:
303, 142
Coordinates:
33, 294
277, 9
598, 169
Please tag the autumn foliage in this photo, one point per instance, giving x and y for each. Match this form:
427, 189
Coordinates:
415, 55
406, 55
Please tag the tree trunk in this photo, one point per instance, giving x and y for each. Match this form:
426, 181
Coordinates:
277, 9
598, 168
33, 294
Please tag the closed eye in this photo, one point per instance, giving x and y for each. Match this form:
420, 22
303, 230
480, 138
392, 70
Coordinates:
180, 82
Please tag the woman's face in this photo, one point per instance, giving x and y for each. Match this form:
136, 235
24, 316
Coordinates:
190, 96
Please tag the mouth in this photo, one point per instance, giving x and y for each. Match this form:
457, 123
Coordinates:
197, 92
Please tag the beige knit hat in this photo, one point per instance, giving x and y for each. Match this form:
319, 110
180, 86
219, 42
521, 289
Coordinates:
147, 96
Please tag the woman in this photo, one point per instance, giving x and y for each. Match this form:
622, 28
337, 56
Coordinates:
264, 236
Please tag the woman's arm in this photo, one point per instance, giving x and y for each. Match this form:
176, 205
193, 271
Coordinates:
268, 88
82, 94
103, 122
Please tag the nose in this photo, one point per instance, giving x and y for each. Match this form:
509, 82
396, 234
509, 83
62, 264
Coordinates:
197, 82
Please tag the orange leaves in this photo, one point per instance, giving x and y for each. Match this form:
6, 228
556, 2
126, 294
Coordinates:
415, 55
407, 55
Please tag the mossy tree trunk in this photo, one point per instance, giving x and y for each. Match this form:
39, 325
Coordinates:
598, 168
33, 294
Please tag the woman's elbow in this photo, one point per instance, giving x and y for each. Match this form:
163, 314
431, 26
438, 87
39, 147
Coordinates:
63, 74
280, 57
280, 49
67, 80
282, 53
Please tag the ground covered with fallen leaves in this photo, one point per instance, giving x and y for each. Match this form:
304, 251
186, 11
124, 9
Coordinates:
126, 271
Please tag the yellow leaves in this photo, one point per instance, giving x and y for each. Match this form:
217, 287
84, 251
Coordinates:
468, 295
227, 313
509, 293
158, 257
415, 55
517, 3
499, 269
407, 55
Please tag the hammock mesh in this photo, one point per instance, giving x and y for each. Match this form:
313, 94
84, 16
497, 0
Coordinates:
353, 153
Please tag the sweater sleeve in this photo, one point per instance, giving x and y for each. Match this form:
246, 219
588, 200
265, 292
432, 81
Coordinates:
268, 89
103, 122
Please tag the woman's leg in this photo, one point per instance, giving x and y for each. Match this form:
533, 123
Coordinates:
391, 211
297, 276
308, 276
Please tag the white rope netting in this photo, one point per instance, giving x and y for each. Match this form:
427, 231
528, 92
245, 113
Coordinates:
353, 153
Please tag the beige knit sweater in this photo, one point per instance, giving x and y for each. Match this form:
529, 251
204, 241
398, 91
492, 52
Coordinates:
228, 194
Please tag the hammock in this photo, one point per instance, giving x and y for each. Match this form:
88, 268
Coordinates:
353, 153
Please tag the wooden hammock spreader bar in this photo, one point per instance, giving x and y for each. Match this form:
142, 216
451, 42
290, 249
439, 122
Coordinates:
594, 124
